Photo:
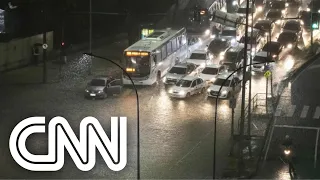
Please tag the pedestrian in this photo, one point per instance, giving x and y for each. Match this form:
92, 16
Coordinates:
36, 53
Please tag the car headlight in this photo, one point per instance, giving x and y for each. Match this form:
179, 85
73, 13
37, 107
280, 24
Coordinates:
87, 90
301, 22
274, 56
234, 3
212, 36
225, 92
170, 91
222, 53
164, 79
182, 93
221, 57
259, 8
278, 22
308, 9
233, 41
283, 11
266, 34
289, 46
212, 79
319, 11
287, 4
207, 32
100, 91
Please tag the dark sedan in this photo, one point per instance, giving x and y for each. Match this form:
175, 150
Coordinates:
293, 26
275, 16
218, 46
274, 48
264, 26
288, 39
101, 87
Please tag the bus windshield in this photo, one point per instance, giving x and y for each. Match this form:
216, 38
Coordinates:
141, 64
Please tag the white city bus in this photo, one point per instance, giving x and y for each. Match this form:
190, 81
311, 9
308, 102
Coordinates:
149, 59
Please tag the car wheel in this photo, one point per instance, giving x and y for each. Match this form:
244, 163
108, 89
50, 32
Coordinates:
188, 95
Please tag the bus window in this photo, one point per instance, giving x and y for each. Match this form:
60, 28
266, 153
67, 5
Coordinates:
178, 42
164, 52
174, 44
169, 50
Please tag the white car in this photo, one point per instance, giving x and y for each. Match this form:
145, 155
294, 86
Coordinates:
210, 72
179, 71
187, 87
230, 87
200, 58
261, 62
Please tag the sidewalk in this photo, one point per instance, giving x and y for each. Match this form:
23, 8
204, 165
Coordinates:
75, 69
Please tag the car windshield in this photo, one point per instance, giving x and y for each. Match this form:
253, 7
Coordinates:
210, 70
229, 33
292, 26
219, 82
249, 40
278, 5
217, 45
97, 82
201, 56
287, 37
183, 83
178, 70
260, 59
231, 56
262, 26
274, 15
271, 47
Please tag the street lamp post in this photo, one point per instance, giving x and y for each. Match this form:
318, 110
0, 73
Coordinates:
138, 111
90, 37
216, 115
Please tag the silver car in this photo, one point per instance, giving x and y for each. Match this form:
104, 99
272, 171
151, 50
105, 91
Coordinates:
102, 87
179, 71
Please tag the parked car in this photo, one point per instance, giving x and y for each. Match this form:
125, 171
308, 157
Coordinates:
200, 58
210, 72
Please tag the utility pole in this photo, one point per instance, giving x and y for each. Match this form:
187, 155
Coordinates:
90, 37
243, 102
311, 17
44, 42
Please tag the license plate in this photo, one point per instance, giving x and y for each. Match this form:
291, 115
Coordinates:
92, 94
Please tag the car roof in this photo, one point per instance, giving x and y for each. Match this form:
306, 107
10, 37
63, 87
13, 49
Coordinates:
271, 43
213, 66
235, 48
225, 76
293, 22
229, 28
182, 65
263, 21
274, 10
201, 51
287, 32
262, 54
190, 78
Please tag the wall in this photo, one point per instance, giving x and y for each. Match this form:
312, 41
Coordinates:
18, 52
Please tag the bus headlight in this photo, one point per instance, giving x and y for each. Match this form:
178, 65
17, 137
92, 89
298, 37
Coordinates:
207, 32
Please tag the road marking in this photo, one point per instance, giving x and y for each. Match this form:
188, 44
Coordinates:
304, 112
278, 112
291, 110
317, 113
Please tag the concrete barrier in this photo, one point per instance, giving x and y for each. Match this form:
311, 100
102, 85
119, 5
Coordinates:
18, 52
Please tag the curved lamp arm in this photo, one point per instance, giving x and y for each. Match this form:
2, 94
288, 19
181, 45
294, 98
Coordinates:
138, 111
